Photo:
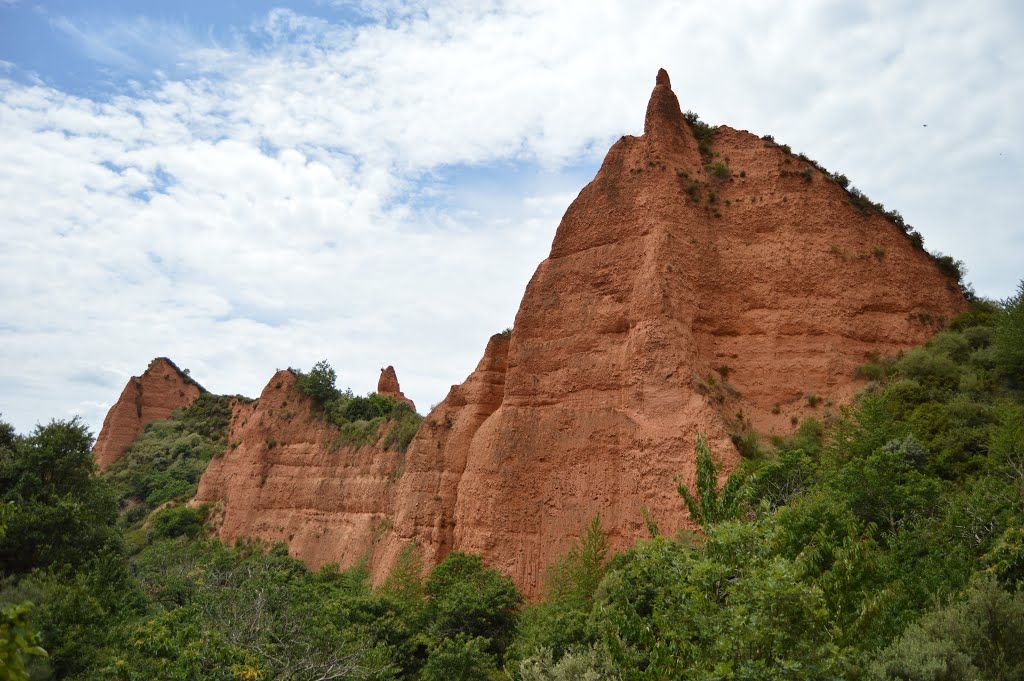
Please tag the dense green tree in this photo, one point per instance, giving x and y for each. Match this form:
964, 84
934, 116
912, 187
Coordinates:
460, 657
63, 514
18, 640
976, 638
469, 599
319, 382
1008, 339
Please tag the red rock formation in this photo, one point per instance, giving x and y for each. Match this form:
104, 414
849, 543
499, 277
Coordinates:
662, 274
284, 477
676, 298
161, 389
387, 386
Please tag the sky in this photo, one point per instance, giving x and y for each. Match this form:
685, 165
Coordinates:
244, 186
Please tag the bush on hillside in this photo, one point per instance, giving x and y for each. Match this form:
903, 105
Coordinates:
1008, 339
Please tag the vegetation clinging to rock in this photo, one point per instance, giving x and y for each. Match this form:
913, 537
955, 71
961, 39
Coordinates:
359, 419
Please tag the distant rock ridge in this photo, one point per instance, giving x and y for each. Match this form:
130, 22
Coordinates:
387, 386
154, 395
712, 286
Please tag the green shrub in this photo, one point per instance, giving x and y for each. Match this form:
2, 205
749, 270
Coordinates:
777, 482
871, 371
859, 199
460, 657
209, 416
706, 504
976, 638
1008, 339
370, 407
719, 170
318, 383
18, 642
177, 521
949, 265
981, 313
406, 425
580, 663
168, 458
704, 133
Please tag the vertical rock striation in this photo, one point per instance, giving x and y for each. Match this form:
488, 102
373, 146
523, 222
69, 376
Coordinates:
286, 477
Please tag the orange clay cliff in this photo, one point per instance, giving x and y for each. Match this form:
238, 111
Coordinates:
718, 287
161, 389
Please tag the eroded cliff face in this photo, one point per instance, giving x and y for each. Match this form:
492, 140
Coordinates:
285, 477
678, 299
161, 389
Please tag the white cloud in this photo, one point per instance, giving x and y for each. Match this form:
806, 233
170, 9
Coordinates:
381, 193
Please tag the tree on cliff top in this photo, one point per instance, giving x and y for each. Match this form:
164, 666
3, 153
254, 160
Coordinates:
319, 382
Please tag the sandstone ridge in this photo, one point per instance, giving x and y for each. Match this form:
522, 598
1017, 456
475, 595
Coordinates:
698, 285
161, 389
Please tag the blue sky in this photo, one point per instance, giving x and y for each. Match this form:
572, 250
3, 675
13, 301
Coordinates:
243, 186
95, 48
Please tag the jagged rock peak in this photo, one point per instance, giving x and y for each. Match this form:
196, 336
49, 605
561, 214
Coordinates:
663, 113
160, 363
161, 389
388, 386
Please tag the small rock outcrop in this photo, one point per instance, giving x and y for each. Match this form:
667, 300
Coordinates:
387, 386
161, 389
